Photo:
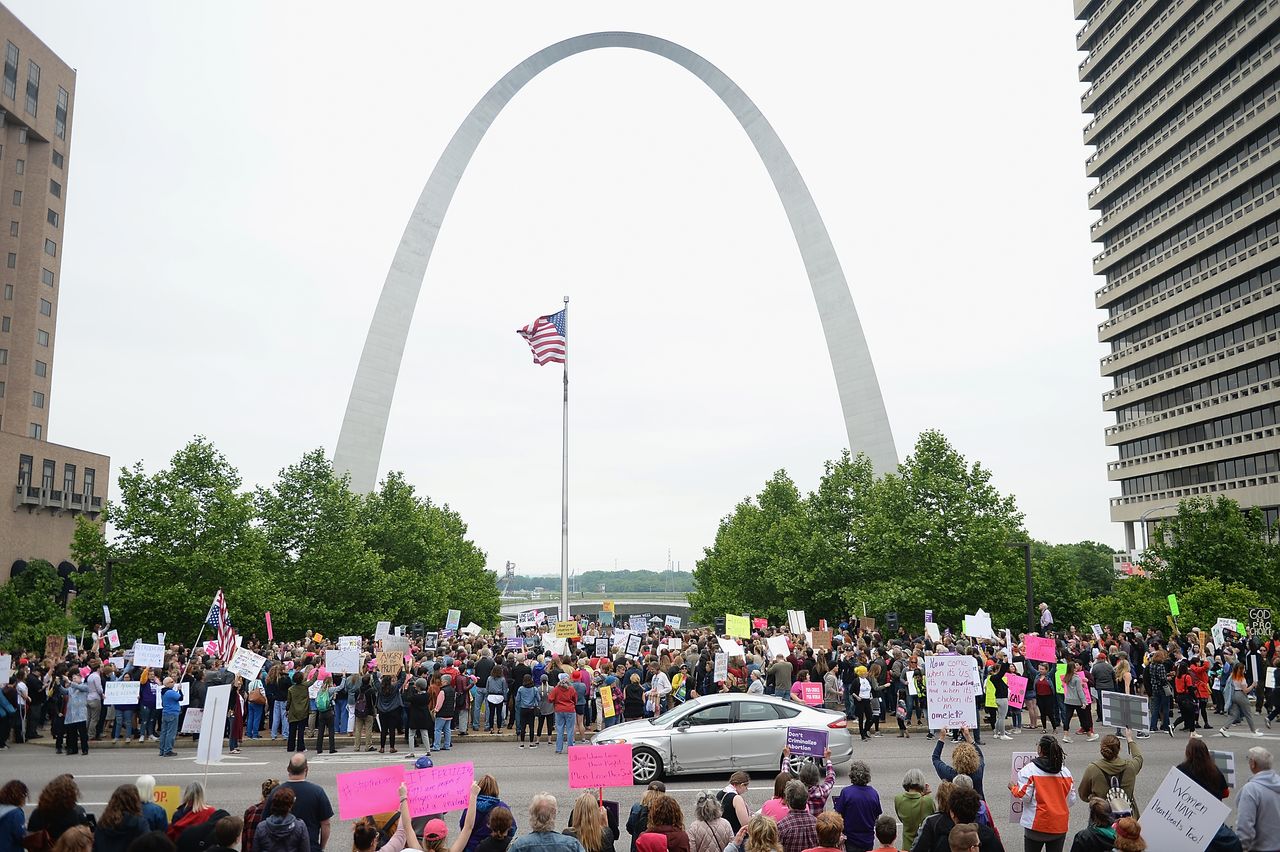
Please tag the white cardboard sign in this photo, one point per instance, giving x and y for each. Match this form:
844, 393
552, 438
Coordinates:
1182, 816
123, 692
148, 656
949, 682
213, 723
343, 662
246, 664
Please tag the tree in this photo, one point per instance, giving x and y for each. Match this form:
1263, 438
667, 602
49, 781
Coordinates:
431, 565
179, 535
1201, 602
1213, 538
323, 574
30, 608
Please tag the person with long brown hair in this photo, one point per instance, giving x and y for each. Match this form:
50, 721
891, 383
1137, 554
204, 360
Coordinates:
590, 824
1200, 767
78, 838
13, 816
364, 834
282, 831
666, 818
1238, 702
57, 809
121, 822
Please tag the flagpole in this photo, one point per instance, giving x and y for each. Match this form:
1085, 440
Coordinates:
564, 480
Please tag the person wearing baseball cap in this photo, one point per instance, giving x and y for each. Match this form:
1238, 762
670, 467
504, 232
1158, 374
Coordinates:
435, 832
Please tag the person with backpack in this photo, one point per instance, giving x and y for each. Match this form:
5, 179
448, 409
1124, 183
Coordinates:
364, 698
297, 709
1104, 777
325, 713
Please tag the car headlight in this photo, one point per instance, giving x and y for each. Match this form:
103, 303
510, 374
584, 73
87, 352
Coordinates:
608, 742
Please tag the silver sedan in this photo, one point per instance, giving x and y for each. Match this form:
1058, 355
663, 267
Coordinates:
728, 731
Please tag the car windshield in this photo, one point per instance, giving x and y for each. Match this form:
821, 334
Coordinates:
670, 715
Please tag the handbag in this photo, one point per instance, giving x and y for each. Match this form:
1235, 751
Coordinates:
37, 841
257, 696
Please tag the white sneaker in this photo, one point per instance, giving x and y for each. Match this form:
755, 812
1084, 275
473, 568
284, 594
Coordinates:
1223, 731
1259, 734
1197, 735
1091, 738
1066, 739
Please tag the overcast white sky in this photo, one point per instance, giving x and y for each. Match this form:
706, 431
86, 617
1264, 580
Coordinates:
241, 173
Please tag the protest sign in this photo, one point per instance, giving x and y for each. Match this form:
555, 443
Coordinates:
811, 693
1226, 762
619, 639
567, 629
602, 646
1020, 759
600, 766
389, 663
949, 682
552, 645
672, 621
638, 623
431, 639
525, 619
121, 692
928, 616
452, 619
796, 622
72, 646
369, 791
472, 629
633, 645
912, 689
1182, 816
760, 623
605, 619
6, 667
508, 628
1097, 631
1173, 605
1259, 623
271, 633
777, 646
931, 630
979, 626
117, 663
439, 789
866, 623
55, 647
607, 606
248, 664
383, 629
349, 643
106, 614
185, 689
217, 699
675, 643
1128, 626
342, 662
192, 721
1123, 710
148, 656
1271, 679
820, 640
721, 673
167, 797
737, 626
113, 638
1017, 690
1040, 648
606, 701
395, 644
806, 742
515, 643
730, 647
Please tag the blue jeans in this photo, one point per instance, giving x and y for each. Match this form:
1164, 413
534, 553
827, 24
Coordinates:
124, 719
850, 706
564, 730
1159, 711
144, 720
168, 733
340, 715
253, 726
444, 733
477, 708
279, 724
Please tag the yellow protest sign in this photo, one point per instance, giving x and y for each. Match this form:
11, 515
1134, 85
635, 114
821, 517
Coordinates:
168, 798
317, 638
738, 626
608, 606
567, 629
606, 698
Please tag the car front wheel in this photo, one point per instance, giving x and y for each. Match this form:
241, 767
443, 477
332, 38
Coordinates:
646, 766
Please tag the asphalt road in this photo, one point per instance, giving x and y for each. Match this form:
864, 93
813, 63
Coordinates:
234, 783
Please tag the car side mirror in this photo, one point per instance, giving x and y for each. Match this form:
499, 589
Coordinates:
684, 725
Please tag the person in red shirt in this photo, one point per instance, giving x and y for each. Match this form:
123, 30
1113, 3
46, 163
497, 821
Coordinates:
1200, 674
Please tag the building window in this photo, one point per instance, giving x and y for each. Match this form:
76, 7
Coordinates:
46, 307
17, 198
46, 275
35, 430
22, 135
8, 292
11, 70
42, 337
20, 166
52, 217
33, 86
60, 114
5, 323
68, 479
42, 369
1, 390
55, 189
4, 356
46, 479
13, 227
25, 463
12, 260
57, 159
88, 481
50, 247
37, 399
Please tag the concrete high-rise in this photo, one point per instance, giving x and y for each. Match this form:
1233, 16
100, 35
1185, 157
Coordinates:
49, 484
1184, 121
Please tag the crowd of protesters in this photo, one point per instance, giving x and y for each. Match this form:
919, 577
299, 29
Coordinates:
559, 692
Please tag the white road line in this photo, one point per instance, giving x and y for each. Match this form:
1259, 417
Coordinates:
160, 774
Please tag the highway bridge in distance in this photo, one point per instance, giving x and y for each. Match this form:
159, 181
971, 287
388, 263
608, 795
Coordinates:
623, 607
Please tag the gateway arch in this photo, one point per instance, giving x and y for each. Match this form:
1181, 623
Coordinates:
364, 425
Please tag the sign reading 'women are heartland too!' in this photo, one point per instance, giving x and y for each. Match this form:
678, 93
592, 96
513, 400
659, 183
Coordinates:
950, 681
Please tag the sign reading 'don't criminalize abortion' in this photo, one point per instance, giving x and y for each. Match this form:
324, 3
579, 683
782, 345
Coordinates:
949, 689
1182, 816
806, 742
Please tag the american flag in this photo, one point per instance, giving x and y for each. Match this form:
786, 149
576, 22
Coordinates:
547, 337
226, 633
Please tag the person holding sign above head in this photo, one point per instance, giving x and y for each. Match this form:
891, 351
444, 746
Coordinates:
364, 834
966, 759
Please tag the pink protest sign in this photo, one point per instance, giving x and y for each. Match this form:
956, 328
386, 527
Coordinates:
271, 637
1084, 684
440, 788
211, 648
1017, 690
600, 766
1039, 648
811, 693
759, 623
369, 791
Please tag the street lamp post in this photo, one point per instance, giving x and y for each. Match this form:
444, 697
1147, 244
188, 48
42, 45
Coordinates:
1025, 546
1142, 519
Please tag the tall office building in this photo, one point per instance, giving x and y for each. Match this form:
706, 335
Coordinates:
1184, 120
50, 484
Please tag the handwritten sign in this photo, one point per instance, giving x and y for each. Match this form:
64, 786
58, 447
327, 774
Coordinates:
369, 791
866, 623
439, 789
672, 621
1020, 759
148, 656
567, 629
383, 628
54, 647
820, 640
606, 699
737, 626
246, 664
1182, 816
602, 646
638, 623
760, 623
192, 721
600, 766
1040, 648
113, 638
721, 672
1017, 690
949, 683
389, 665
345, 661
811, 693
122, 692
806, 742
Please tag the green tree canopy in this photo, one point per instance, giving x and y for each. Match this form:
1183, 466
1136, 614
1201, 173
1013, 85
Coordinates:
30, 608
